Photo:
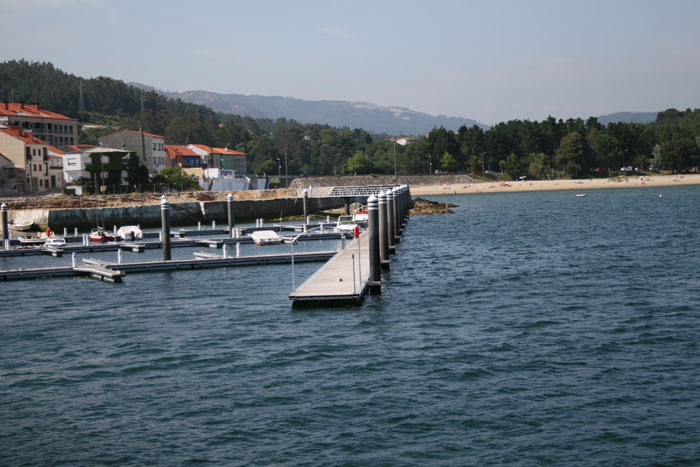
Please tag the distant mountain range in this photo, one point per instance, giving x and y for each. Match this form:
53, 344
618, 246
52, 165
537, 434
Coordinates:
370, 117
628, 117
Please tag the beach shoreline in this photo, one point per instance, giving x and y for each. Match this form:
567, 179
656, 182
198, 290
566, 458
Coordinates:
550, 185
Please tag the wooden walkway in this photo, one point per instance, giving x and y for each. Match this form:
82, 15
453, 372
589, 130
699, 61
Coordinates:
99, 271
333, 283
108, 271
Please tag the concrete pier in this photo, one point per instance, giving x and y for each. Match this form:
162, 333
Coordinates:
340, 281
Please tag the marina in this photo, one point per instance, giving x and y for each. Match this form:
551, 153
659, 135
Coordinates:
342, 281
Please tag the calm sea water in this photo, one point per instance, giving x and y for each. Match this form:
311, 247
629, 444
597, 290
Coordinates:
527, 328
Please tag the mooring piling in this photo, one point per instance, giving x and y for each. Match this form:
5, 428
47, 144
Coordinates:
390, 220
165, 227
395, 214
383, 230
374, 257
231, 219
305, 195
5, 227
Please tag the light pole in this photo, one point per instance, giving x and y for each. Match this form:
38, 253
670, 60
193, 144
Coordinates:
394, 162
430, 166
483, 170
279, 169
286, 167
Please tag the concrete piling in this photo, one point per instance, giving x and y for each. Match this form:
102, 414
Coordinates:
374, 256
231, 219
395, 212
390, 220
5, 226
165, 227
305, 194
383, 231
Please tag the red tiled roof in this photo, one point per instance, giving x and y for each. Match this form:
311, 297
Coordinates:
175, 150
203, 147
228, 151
16, 109
147, 134
17, 132
80, 147
138, 132
55, 150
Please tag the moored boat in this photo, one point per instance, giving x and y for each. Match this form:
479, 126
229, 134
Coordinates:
345, 224
31, 240
55, 242
129, 232
19, 226
265, 237
100, 235
361, 216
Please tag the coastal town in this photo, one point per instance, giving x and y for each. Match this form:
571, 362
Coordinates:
40, 154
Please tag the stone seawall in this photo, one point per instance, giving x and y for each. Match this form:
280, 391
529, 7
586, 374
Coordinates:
181, 214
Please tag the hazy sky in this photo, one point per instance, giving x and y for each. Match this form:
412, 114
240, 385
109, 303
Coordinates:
488, 60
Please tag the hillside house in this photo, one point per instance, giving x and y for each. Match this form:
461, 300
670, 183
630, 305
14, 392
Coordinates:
155, 157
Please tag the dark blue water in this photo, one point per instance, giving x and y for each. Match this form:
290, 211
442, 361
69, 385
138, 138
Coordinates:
529, 329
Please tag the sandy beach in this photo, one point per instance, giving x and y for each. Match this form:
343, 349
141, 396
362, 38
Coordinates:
543, 185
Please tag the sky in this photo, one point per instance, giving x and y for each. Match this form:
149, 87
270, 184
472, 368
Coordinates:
491, 61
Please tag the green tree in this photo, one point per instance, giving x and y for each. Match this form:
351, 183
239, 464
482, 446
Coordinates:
268, 167
173, 176
513, 166
606, 151
570, 157
448, 162
414, 159
359, 164
679, 155
538, 166
137, 174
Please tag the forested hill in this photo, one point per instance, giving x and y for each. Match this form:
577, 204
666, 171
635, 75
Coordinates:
548, 149
371, 117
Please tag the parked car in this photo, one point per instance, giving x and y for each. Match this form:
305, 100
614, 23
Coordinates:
437, 172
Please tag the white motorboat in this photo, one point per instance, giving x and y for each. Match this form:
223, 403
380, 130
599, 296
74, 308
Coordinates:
581, 195
55, 242
361, 217
345, 224
130, 233
19, 226
265, 237
31, 240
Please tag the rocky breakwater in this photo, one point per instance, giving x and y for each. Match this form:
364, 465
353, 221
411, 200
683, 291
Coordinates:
60, 212
424, 207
